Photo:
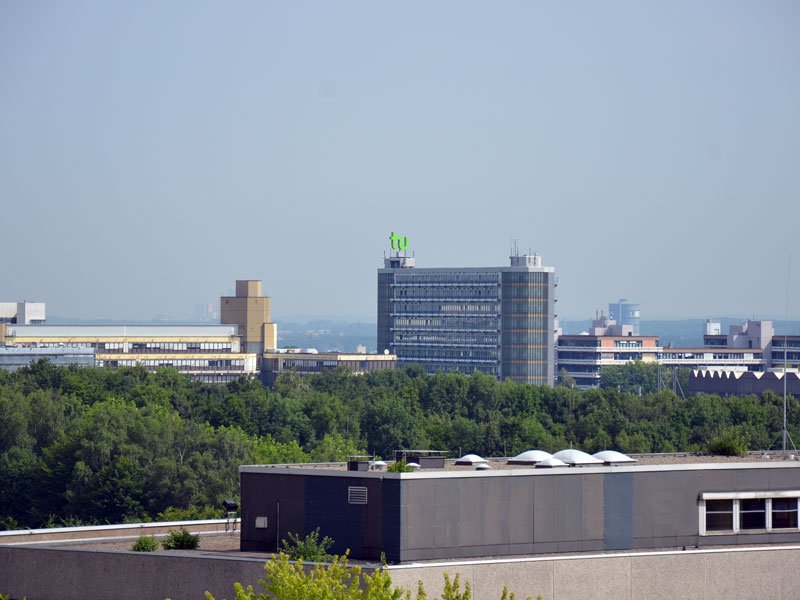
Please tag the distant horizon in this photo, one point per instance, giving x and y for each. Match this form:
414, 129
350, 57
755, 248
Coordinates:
354, 319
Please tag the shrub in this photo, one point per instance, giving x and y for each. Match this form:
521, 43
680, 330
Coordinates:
309, 549
399, 466
181, 540
145, 543
728, 443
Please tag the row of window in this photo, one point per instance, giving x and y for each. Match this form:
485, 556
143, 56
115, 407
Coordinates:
471, 323
418, 278
746, 513
455, 292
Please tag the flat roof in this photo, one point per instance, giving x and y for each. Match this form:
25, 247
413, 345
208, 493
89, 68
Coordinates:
117, 331
500, 467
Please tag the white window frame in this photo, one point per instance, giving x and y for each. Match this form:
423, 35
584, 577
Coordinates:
737, 497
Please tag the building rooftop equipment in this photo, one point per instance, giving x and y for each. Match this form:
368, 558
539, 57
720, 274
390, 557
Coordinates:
574, 457
531, 457
470, 459
612, 457
551, 462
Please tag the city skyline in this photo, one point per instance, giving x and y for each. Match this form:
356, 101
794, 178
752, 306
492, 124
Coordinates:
153, 153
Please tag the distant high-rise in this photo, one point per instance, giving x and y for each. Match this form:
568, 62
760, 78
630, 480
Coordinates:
625, 313
497, 320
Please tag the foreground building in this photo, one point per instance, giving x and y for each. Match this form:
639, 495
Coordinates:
496, 320
507, 510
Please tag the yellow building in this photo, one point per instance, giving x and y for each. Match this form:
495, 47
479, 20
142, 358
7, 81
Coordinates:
250, 310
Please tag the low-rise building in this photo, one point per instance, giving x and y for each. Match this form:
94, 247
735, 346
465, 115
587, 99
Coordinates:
210, 353
311, 363
498, 509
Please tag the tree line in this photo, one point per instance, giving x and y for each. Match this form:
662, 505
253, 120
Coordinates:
99, 445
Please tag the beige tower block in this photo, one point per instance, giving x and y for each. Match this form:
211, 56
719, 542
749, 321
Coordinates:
250, 310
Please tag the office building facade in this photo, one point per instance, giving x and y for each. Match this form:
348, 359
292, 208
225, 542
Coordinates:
496, 320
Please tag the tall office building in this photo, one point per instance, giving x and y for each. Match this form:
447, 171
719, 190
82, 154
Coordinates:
497, 320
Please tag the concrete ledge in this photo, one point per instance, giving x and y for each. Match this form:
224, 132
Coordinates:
106, 532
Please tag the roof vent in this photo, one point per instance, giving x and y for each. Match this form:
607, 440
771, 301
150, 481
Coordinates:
356, 494
483, 467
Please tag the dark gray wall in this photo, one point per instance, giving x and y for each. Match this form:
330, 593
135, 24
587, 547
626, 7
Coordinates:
418, 518
300, 504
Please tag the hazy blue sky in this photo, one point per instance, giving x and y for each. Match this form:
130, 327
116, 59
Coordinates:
153, 152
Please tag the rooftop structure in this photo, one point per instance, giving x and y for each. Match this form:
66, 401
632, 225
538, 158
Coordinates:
496, 320
505, 510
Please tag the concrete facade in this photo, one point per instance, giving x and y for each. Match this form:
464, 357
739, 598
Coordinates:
495, 320
719, 574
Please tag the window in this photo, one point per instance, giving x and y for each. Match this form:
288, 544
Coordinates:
719, 515
784, 513
753, 514
742, 512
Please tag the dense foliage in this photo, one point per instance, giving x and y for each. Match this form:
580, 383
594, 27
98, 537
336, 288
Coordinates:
83, 445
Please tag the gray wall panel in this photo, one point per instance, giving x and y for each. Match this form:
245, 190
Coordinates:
618, 510
446, 513
521, 510
593, 507
419, 500
664, 503
471, 512
570, 508
784, 479
545, 509
496, 506
749, 480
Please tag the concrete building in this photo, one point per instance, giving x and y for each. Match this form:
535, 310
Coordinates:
625, 313
312, 363
607, 343
750, 346
250, 310
496, 320
210, 353
507, 510
23, 313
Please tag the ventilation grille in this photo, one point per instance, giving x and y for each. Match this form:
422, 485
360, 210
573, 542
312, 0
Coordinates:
356, 495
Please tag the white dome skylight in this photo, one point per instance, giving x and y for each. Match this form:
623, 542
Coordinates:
571, 456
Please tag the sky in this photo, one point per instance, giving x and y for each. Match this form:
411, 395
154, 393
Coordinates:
153, 152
